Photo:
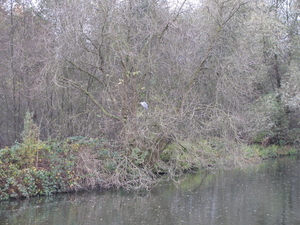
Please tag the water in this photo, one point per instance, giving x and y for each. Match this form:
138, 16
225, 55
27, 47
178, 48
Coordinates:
268, 193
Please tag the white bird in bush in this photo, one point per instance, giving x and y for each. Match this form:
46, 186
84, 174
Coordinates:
144, 104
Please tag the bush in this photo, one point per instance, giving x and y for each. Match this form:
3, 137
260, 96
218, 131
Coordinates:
267, 119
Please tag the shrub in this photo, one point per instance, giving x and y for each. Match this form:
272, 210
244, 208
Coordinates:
29, 149
267, 119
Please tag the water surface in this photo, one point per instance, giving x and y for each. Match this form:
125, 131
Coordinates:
268, 193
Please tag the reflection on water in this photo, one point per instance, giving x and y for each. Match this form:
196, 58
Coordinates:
268, 193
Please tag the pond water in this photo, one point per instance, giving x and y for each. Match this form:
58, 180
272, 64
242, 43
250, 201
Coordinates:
268, 193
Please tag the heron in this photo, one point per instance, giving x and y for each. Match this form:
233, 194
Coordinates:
144, 104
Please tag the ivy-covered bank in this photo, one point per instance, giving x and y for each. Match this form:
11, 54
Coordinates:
36, 167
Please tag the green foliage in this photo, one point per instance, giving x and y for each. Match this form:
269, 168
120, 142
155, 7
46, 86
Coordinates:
31, 131
56, 171
138, 157
268, 119
63, 166
271, 151
291, 85
193, 155
31, 145
251, 151
268, 152
82, 162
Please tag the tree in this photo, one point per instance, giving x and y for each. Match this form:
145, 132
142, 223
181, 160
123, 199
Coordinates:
83, 67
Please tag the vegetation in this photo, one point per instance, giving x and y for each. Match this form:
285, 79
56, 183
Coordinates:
43, 168
221, 79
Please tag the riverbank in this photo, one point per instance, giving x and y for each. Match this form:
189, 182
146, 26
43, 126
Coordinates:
45, 168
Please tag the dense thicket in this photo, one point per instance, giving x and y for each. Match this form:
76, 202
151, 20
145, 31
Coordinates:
222, 69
